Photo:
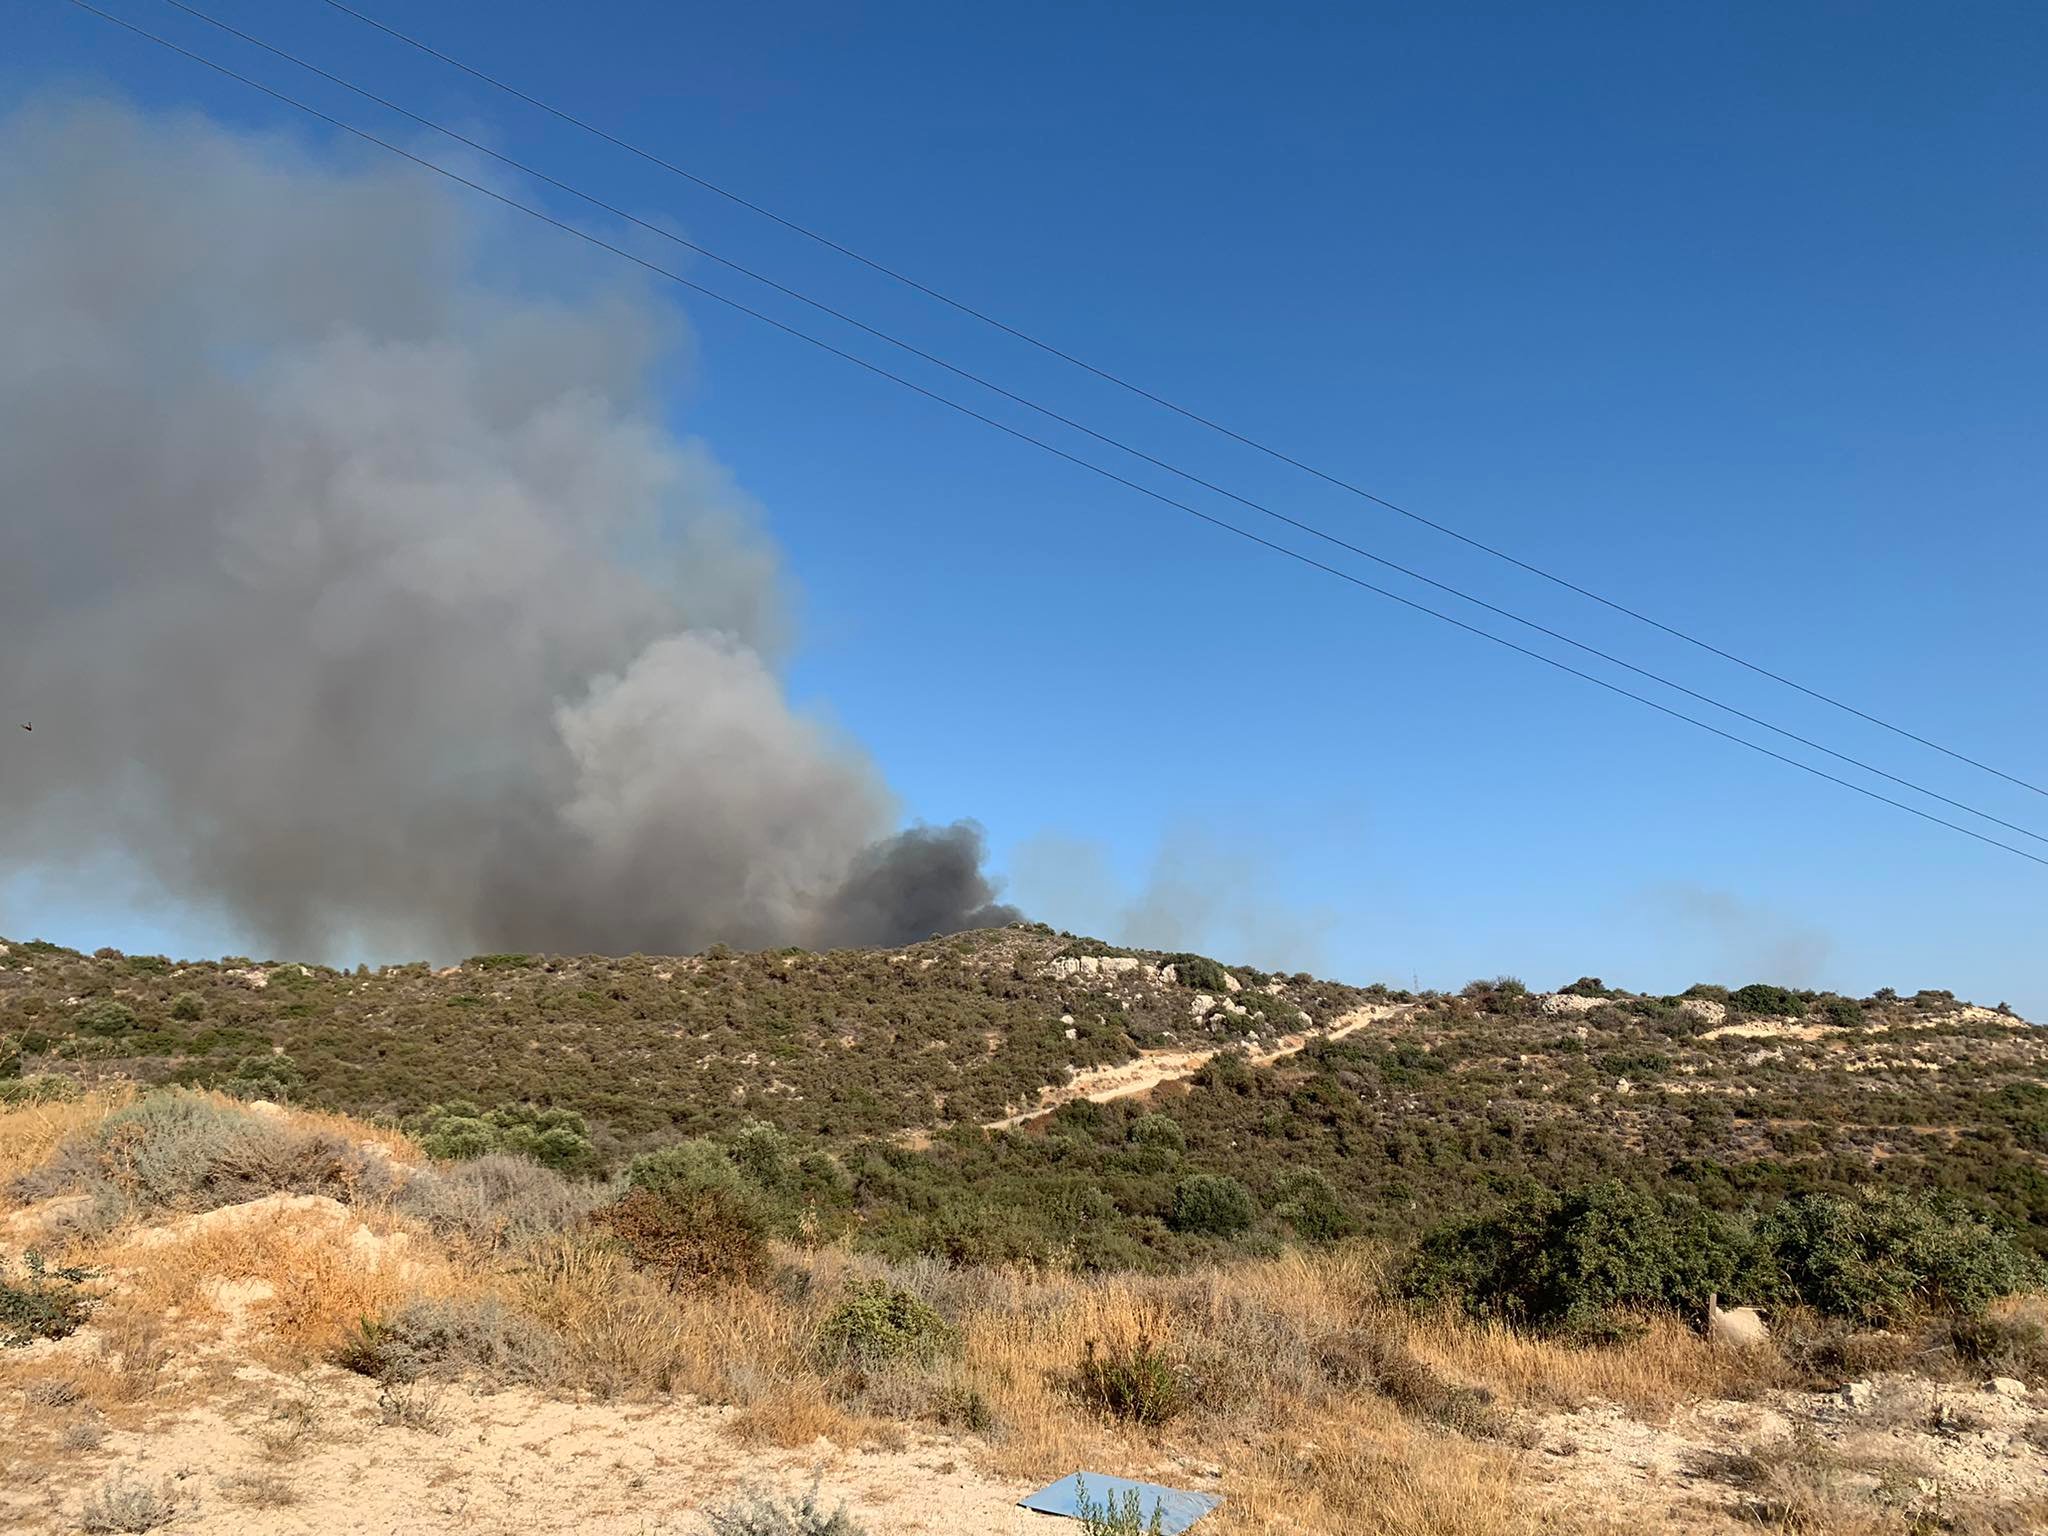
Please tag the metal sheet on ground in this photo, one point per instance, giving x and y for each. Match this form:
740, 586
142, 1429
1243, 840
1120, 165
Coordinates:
1178, 1507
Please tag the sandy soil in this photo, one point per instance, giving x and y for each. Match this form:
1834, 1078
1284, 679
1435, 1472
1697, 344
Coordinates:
275, 1455
1934, 1444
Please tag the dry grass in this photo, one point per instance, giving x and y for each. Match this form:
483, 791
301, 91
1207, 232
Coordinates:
1324, 1406
29, 1132
1666, 1365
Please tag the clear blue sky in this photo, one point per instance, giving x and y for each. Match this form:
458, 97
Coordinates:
1735, 313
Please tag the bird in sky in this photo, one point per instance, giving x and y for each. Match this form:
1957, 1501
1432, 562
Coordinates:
27, 727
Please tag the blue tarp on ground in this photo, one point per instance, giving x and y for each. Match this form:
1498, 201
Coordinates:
1178, 1508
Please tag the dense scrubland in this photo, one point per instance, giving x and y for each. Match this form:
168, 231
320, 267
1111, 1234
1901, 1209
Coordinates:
1438, 1108
1393, 1272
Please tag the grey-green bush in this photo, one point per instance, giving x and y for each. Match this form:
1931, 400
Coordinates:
499, 1203
177, 1150
762, 1514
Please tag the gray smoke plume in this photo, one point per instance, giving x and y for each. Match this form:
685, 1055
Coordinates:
364, 596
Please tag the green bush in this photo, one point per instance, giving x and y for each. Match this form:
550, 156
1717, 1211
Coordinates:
1884, 1255
1763, 999
1114, 1516
2022, 1107
1157, 1142
1637, 1066
1211, 1204
1582, 1262
1197, 972
1137, 1382
44, 1304
187, 1006
1588, 986
107, 1018
43, 1088
1842, 1012
554, 1138
1308, 1202
274, 1077
874, 1322
762, 1153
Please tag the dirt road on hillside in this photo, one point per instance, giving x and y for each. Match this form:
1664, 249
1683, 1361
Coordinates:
1098, 1085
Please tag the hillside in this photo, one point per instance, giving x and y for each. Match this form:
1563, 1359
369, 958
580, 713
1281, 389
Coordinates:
886, 1063
850, 1042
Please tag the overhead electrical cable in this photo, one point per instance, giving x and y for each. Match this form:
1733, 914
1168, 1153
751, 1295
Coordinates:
1121, 446
895, 274
797, 333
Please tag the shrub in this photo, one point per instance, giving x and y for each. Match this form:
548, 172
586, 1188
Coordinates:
45, 1304
107, 1018
1136, 1382
696, 1237
1114, 1516
1377, 1361
124, 1504
1881, 1256
2024, 1108
274, 1076
1588, 986
497, 1202
186, 1006
448, 1336
874, 1322
1766, 1000
1211, 1204
43, 1088
762, 1153
554, 1138
1157, 1130
760, 1514
1842, 1012
1198, 972
2002, 1346
1157, 1142
1579, 1263
686, 1167
179, 1150
1637, 1066
1308, 1203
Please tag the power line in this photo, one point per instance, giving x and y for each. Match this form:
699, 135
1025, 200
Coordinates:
1113, 442
1025, 437
1109, 377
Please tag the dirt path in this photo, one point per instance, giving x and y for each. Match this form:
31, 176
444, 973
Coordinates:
1098, 1085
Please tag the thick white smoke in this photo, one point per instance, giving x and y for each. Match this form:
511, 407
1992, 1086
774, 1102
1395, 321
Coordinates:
365, 596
